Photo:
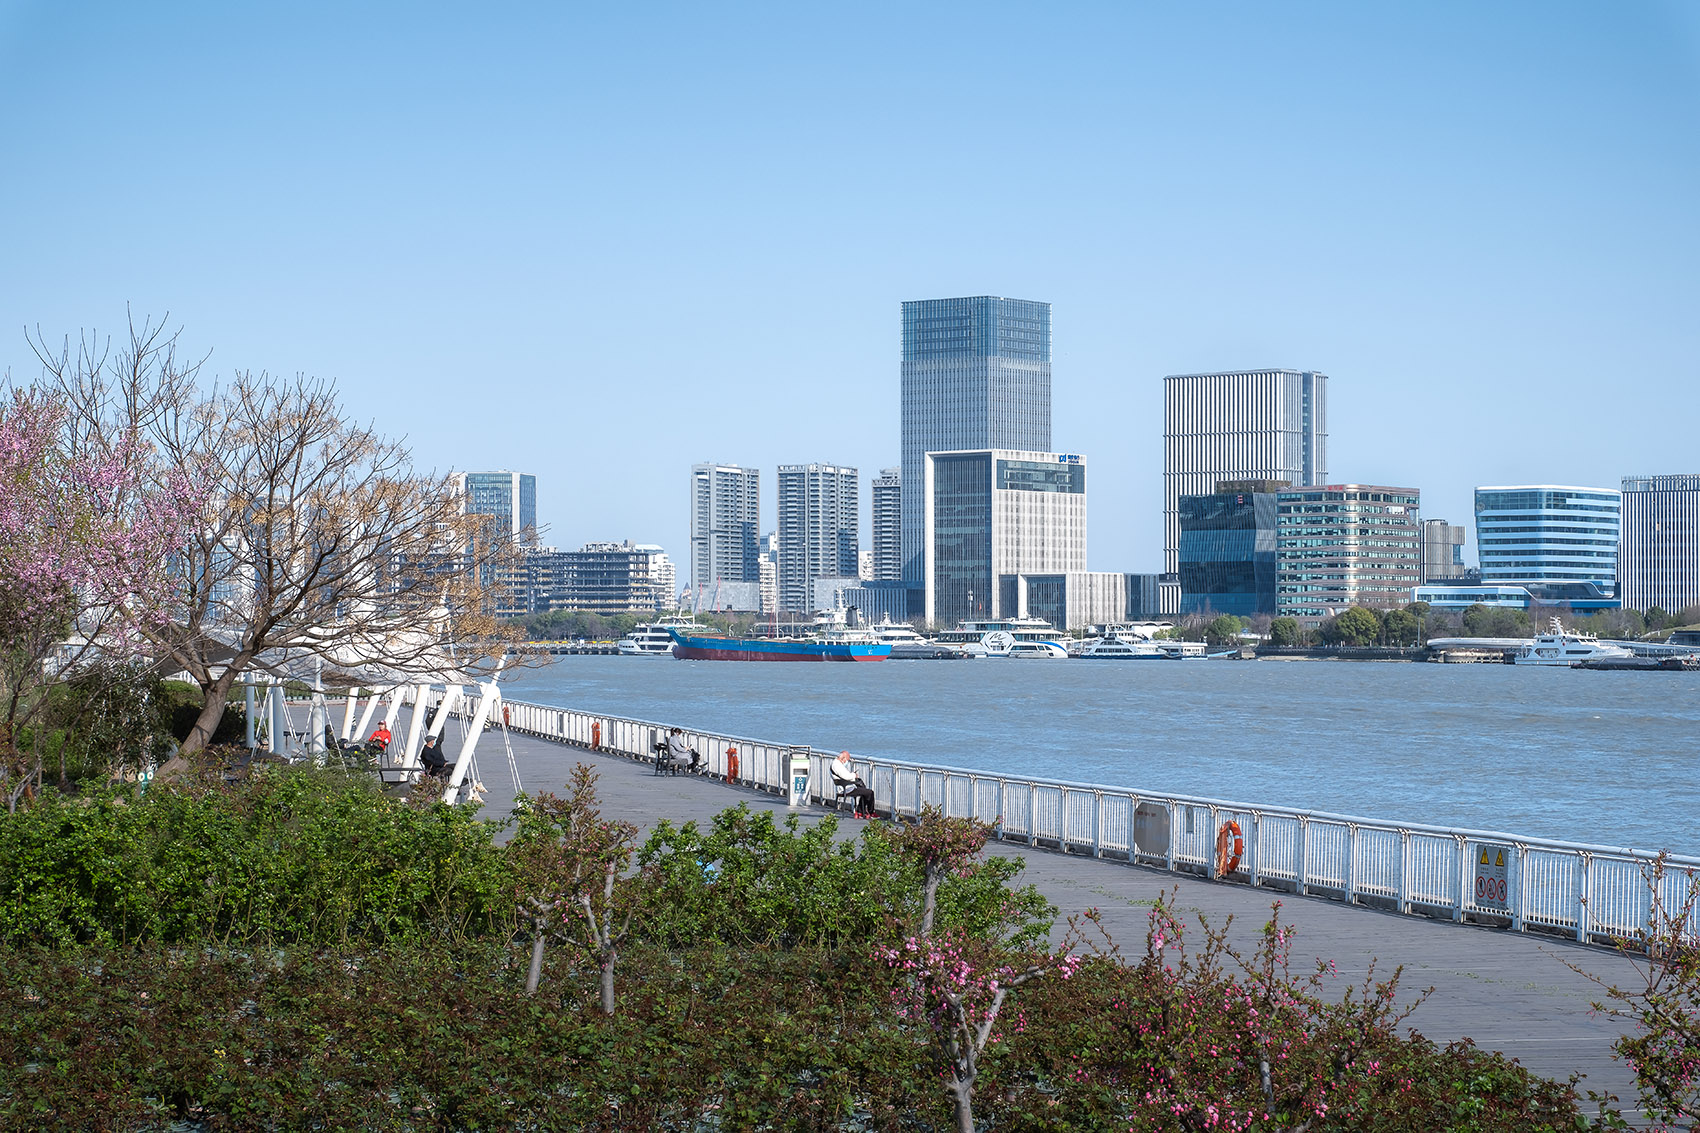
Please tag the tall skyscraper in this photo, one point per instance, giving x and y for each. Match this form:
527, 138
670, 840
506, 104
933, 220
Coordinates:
1661, 543
1340, 545
819, 526
725, 522
976, 375
1550, 534
509, 496
1244, 425
888, 525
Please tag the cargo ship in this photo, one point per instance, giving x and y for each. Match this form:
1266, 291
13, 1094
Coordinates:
840, 645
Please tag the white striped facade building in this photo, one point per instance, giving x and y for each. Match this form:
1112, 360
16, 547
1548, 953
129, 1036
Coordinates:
1239, 425
1659, 557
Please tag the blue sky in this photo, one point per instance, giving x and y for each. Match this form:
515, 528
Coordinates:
601, 243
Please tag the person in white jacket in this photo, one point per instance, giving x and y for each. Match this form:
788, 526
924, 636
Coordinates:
850, 785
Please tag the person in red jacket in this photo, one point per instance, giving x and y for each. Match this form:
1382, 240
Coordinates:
381, 736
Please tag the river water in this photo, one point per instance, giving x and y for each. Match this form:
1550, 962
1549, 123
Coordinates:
1610, 758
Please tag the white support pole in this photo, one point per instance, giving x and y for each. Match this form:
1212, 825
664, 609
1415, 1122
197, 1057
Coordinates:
398, 694
248, 709
280, 722
361, 733
488, 698
318, 717
452, 697
348, 713
421, 694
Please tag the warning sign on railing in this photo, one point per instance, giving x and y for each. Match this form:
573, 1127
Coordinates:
1492, 872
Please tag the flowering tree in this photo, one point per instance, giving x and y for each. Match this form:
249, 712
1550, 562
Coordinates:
570, 860
85, 536
957, 983
315, 536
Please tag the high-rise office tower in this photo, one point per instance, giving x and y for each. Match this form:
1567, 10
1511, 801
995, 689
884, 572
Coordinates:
819, 526
1343, 545
1661, 543
1244, 425
888, 525
1550, 534
976, 375
509, 496
1443, 551
993, 517
725, 521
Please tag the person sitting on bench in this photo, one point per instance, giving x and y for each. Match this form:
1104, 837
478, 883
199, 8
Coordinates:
431, 757
679, 751
850, 786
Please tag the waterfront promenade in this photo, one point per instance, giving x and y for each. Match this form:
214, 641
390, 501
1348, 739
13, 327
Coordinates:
1507, 991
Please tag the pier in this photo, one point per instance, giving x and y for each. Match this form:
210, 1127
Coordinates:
1505, 990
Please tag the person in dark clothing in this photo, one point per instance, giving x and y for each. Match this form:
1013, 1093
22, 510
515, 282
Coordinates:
431, 756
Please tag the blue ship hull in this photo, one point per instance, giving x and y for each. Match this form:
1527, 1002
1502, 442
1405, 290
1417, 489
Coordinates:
769, 649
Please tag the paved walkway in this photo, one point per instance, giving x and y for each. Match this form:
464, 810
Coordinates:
1507, 991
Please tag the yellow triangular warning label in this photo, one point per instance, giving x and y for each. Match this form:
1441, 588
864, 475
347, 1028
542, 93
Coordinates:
1484, 855
1499, 861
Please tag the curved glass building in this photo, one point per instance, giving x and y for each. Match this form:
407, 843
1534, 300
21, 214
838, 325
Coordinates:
1549, 533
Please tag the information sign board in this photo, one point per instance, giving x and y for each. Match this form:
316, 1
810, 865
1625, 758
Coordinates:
1492, 875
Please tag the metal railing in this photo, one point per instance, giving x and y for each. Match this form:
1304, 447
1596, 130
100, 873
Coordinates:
1592, 893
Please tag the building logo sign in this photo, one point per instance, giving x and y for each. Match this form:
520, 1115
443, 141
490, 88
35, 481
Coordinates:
1067, 458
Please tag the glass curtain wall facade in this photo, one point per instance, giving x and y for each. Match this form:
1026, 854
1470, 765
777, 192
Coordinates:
888, 525
1344, 545
1240, 425
1549, 533
511, 497
1227, 551
819, 526
976, 374
1661, 543
993, 516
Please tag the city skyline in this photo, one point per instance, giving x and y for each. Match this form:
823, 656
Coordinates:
550, 240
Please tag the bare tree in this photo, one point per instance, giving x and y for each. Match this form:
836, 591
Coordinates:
317, 539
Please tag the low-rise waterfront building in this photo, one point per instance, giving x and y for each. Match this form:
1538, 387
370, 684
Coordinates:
1343, 545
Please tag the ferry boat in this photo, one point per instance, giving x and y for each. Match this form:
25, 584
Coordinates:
1118, 649
830, 645
908, 645
998, 637
651, 639
1561, 647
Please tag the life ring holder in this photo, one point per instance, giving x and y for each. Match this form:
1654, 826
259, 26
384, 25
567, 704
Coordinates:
1230, 848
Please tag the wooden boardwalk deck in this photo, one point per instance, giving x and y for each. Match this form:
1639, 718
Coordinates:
1507, 991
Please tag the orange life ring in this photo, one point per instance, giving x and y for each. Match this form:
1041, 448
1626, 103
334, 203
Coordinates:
596, 736
731, 765
1227, 863
504, 715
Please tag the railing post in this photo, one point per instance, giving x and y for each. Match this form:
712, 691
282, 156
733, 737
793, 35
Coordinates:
1254, 849
1402, 892
1302, 882
1001, 810
1520, 902
1584, 876
1174, 832
1098, 824
1032, 816
1210, 845
1461, 876
1351, 863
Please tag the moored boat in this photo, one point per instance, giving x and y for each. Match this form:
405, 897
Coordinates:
651, 639
1567, 648
843, 646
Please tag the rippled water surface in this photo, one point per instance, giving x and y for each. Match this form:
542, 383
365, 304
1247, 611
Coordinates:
1593, 757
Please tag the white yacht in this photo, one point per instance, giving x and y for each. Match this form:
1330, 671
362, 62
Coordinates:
651, 639
906, 644
1117, 649
1561, 647
1001, 637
